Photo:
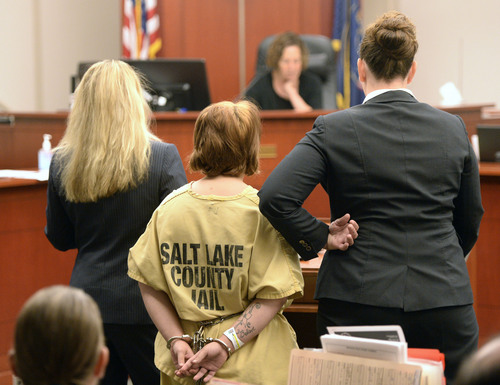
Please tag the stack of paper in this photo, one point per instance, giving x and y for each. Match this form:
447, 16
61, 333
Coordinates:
381, 342
363, 355
321, 368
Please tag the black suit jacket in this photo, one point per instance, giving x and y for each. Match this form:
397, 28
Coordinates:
104, 231
407, 174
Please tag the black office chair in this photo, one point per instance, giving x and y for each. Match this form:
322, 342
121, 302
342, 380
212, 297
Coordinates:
321, 62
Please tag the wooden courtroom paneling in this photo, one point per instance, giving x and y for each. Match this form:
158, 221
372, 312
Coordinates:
205, 29
210, 29
281, 130
29, 262
471, 115
300, 16
488, 254
20, 142
302, 313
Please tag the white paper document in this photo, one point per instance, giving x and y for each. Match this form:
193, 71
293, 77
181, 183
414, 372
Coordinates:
370, 345
320, 368
379, 332
395, 351
25, 174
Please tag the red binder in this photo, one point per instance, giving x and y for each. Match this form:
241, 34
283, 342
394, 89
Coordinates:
427, 354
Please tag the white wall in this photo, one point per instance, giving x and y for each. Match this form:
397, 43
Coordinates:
457, 43
17, 55
43, 40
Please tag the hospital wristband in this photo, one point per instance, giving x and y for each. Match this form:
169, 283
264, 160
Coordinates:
233, 337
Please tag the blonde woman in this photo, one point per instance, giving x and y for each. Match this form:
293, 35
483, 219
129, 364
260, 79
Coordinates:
59, 339
108, 174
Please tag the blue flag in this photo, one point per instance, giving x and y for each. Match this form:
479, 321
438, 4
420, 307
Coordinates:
346, 38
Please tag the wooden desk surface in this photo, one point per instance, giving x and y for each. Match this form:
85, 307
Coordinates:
307, 304
13, 182
489, 169
21, 140
29, 262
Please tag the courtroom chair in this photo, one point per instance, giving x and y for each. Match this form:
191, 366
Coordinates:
321, 62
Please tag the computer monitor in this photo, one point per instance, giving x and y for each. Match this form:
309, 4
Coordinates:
172, 84
489, 142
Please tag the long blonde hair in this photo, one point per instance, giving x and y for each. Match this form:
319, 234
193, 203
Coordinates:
106, 146
58, 337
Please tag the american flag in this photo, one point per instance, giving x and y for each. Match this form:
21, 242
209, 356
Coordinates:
141, 29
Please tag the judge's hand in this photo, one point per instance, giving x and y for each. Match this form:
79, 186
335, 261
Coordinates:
342, 233
291, 88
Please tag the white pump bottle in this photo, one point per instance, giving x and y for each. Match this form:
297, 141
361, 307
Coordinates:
45, 153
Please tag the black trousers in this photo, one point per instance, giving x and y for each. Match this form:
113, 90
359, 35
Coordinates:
131, 353
453, 330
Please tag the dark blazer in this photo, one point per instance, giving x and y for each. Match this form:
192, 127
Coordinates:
104, 231
407, 174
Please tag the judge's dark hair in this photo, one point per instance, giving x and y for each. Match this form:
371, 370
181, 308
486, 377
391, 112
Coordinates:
227, 140
389, 46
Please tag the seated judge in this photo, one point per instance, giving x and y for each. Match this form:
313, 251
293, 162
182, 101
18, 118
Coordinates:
287, 85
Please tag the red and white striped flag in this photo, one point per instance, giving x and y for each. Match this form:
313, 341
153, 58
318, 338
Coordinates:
141, 29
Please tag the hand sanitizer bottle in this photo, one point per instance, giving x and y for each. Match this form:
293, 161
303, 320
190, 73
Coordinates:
45, 153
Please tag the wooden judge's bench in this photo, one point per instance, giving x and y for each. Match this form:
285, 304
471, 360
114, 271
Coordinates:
29, 261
